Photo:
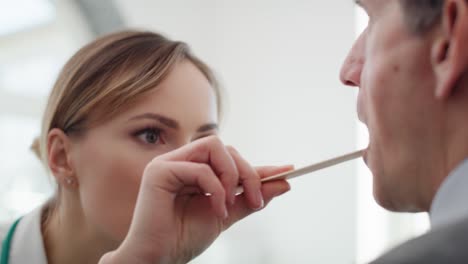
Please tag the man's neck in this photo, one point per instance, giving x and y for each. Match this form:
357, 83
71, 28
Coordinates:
445, 144
454, 144
456, 132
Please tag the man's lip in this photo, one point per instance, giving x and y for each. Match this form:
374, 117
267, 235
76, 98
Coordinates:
361, 117
364, 154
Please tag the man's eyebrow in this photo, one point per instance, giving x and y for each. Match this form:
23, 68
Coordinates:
162, 119
207, 127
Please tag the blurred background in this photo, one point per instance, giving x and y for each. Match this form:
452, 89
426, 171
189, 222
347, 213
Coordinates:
278, 61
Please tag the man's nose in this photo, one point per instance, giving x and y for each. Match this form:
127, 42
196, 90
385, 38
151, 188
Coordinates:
351, 72
352, 67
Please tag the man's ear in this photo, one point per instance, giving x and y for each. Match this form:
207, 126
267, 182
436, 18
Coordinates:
450, 49
58, 149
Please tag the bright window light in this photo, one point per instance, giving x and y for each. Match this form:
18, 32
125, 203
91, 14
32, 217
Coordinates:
41, 73
23, 181
18, 15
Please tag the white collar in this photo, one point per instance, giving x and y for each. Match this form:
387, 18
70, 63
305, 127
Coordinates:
450, 202
27, 245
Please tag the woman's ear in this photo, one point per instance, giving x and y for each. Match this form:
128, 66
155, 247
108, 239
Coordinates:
450, 52
58, 149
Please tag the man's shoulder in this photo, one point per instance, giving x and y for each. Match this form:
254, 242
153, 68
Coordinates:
446, 244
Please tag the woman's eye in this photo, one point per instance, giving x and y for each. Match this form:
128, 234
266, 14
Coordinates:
150, 135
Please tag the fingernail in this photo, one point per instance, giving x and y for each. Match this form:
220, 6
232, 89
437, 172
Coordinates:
259, 200
288, 167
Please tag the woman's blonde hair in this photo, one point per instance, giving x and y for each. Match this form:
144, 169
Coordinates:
108, 74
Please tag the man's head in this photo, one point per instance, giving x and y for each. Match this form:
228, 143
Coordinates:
411, 65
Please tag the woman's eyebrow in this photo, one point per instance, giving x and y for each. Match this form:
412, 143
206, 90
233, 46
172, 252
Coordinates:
207, 127
162, 119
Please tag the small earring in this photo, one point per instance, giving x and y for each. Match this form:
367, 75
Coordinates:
69, 181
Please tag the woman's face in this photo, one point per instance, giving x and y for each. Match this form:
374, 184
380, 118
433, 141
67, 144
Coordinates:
110, 158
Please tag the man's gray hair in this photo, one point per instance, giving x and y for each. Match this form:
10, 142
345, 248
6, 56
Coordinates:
422, 15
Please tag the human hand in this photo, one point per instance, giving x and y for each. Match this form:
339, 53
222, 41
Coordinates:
174, 218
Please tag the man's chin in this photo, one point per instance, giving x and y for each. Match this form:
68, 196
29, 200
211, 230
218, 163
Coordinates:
384, 197
384, 201
394, 203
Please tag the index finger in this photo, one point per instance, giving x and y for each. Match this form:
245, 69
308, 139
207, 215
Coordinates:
213, 152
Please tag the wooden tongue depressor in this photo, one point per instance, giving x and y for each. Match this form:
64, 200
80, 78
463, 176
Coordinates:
308, 169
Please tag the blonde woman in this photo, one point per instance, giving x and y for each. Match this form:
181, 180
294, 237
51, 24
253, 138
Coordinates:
129, 134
